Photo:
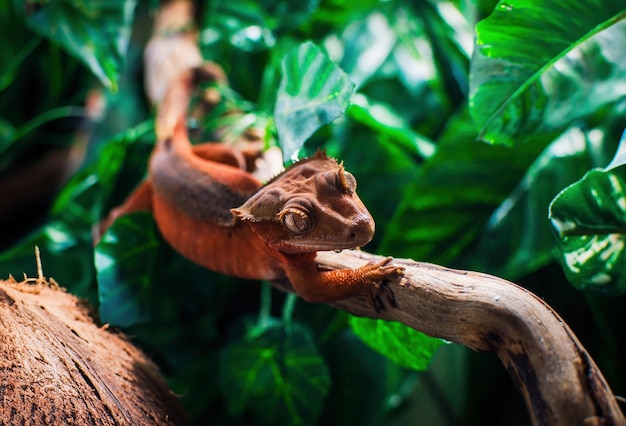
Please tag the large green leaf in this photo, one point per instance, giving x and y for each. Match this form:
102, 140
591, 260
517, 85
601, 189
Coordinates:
517, 240
278, 374
445, 206
589, 220
393, 55
403, 345
538, 65
14, 59
96, 32
18, 44
312, 92
82, 200
451, 39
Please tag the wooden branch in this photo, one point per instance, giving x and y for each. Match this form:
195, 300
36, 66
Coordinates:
559, 381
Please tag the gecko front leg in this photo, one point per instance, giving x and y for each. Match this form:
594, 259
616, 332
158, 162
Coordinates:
368, 281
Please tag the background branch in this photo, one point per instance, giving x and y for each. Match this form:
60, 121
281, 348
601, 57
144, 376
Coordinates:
559, 381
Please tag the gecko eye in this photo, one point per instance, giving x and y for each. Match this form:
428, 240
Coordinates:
296, 220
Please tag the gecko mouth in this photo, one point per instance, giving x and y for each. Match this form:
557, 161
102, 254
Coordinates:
311, 246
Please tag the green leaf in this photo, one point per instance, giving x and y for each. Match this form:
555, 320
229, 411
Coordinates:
254, 25
391, 126
18, 42
44, 118
539, 65
66, 242
619, 159
312, 92
367, 43
516, 239
182, 331
96, 32
451, 38
80, 203
454, 193
403, 345
393, 55
10, 71
278, 374
334, 14
589, 221
125, 258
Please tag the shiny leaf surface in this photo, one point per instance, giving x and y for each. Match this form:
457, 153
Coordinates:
403, 345
538, 66
367, 44
516, 239
254, 25
589, 221
313, 92
390, 125
445, 206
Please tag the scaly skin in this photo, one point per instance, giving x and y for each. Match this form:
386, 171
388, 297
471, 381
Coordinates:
214, 212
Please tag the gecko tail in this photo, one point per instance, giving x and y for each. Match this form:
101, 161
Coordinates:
172, 112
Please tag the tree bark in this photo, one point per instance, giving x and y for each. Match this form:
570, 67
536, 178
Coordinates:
58, 367
559, 381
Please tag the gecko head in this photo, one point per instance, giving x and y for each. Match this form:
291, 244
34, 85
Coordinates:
311, 206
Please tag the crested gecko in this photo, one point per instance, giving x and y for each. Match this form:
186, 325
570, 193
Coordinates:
210, 209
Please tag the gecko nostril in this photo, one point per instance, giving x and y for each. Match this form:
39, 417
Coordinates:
352, 235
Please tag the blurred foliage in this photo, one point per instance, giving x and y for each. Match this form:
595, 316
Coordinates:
543, 83
94, 32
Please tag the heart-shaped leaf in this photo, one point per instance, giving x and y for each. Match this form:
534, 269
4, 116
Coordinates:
278, 374
313, 92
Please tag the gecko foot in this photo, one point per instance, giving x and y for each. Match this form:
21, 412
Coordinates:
378, 274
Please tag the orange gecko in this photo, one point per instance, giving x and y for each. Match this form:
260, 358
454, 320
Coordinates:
213, 211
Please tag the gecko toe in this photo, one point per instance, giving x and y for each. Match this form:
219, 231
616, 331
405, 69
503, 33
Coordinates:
378, 304
382, 298
389, 296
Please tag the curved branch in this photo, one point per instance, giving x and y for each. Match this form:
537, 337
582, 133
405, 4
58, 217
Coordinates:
560, 382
